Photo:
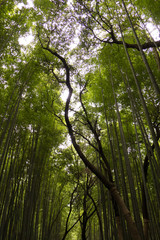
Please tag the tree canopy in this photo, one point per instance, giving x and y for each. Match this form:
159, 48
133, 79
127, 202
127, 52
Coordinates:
79, 120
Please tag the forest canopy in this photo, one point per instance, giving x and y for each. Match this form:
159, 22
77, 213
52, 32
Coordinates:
79, 120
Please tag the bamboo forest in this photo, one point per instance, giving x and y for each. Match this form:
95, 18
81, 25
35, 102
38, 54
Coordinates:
79, 119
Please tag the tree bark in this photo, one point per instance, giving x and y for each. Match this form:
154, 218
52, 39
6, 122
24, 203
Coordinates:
109, 185
152, 78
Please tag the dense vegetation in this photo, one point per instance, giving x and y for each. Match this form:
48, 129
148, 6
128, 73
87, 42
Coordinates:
85, 166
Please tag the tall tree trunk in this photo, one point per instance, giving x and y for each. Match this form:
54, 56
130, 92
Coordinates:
142, 100
128, 167
152, 78
114, 193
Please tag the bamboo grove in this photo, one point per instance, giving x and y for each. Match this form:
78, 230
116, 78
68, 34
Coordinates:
79, 120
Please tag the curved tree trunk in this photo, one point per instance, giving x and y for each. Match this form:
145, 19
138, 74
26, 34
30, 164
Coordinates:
109, 185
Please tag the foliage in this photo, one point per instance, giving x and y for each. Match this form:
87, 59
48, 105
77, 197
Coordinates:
52, 187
